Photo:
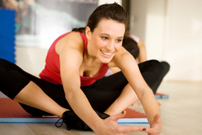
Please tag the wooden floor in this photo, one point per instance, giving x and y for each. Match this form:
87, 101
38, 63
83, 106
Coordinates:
181, 114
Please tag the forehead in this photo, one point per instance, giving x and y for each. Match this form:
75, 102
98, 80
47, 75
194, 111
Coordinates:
110, 27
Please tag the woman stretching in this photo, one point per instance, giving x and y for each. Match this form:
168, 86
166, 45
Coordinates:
72, 85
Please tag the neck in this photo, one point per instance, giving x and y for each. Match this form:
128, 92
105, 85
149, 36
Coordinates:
89, 55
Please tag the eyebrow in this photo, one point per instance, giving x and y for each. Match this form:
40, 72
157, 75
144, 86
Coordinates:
109, 35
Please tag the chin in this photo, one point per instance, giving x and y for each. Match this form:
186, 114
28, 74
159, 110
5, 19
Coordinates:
106, 60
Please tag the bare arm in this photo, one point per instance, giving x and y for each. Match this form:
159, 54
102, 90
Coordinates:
130, 69
142, 57
142, 52
70, 60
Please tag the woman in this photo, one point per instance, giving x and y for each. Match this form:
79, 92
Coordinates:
73, 78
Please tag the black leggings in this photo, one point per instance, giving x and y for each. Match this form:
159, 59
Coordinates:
101, 94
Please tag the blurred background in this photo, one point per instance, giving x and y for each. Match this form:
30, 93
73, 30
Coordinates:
170, 29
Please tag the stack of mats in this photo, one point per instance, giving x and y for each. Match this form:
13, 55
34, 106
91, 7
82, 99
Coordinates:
7, 35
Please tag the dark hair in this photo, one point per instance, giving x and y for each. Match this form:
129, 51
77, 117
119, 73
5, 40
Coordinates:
107, 11
131, 46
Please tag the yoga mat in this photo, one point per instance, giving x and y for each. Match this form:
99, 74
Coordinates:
161, 96
133, 117
12, 112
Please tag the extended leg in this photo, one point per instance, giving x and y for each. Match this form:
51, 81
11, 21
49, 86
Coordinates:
24, 88
32, 95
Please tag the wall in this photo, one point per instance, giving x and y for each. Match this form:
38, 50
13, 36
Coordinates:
109, 1
172, 31
184, 39
31, 59
148, 23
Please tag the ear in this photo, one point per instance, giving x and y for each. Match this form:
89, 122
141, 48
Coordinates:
88, 32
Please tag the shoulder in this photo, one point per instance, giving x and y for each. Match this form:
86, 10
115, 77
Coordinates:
121, 57
71, 40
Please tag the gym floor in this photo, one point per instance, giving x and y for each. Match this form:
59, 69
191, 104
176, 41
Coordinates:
180, 114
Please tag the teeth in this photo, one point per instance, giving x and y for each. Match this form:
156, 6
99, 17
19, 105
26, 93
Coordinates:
107, 53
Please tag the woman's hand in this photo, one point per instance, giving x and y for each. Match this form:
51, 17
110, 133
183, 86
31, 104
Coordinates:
156, 125
111, 127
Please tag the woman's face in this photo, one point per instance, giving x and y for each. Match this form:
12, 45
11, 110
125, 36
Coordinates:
106, 39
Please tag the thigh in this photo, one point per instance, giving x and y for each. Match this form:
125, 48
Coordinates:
54, 91
152, 72
105, 91
166, 67
12, 80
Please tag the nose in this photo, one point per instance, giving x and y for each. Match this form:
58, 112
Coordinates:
110, 46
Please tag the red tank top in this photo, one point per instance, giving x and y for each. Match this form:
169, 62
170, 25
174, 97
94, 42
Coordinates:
51, 72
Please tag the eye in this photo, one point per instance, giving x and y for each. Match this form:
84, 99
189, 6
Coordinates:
118, 40
104, 38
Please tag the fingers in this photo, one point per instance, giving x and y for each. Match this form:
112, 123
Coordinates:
123, 129
118, 116
155, 125
131, 128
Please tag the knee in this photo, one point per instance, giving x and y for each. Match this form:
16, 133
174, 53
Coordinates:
4, 65
163, 67
166, 66
157, 65
3, 62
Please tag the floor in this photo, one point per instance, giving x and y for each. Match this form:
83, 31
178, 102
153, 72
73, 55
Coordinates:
181, 114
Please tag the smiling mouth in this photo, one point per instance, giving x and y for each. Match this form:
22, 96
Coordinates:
107, 53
